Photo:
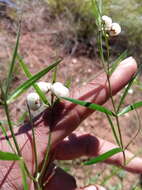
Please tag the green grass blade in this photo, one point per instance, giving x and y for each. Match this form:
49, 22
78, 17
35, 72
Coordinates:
117, 61
9, 78
90, 106
130, 108
103, 157
23, 87
8, 156
24, 174
28, 74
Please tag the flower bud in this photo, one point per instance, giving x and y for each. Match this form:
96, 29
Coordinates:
44, 86
115, 29
130, 91
107, 22
59, 90
33, 100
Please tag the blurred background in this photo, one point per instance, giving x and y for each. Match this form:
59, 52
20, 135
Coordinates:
67, 29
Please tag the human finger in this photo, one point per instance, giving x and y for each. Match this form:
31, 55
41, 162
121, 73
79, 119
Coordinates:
98, 92
88, 145
66, 116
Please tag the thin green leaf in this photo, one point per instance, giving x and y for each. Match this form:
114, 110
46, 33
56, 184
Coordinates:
8, 156
128, 87
117, 61
97, 13
9, 119
9, 78
138, 126
104, 156
113, 130
90, 106
130, 108
23, 87
68, 83
100, 7
96, 10
28, 74
24, 174
6, 137
47, 158
54, 75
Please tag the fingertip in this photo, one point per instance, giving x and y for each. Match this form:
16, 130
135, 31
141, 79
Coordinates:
122, 75
135, 165
129, 62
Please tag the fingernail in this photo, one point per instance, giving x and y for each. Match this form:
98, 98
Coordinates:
128, 61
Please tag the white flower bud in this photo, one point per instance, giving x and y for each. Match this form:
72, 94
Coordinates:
107, 22
33, 100
115, 29
130, 91
44, 86
59, 90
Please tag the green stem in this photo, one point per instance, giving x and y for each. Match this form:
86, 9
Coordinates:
113, 129
9, 121
106, 69
100, 45
34, 141
11, 128
117, 119
28, 173
6, 137
46, 160
112, 100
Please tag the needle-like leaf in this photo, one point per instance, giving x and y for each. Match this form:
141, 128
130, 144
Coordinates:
103, 157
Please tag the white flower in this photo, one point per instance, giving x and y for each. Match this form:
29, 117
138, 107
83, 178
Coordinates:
33, 100
107, 22
115, 29
59, 90
130, 91
44, 86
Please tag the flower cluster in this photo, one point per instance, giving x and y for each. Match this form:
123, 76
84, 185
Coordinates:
112, 28
57, 89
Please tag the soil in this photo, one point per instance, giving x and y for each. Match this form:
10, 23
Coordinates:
40, 45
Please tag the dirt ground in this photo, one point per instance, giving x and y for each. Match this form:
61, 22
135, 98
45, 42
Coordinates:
40, 46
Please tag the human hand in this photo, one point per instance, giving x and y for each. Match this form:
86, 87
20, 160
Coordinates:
66, 117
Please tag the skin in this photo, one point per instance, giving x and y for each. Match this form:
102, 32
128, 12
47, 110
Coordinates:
63, 120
